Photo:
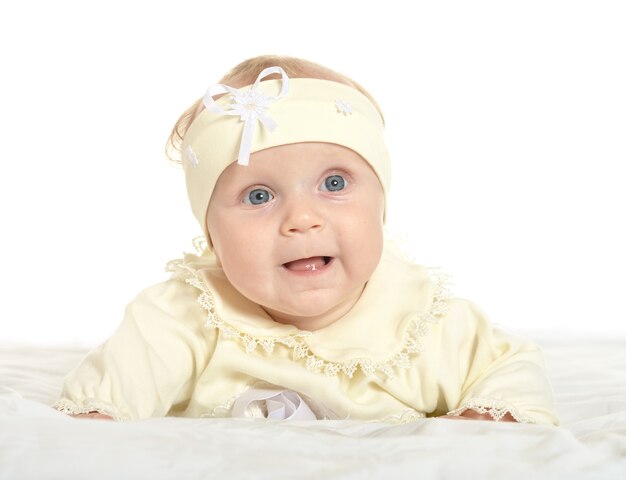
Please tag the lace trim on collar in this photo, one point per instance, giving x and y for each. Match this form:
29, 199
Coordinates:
412, 345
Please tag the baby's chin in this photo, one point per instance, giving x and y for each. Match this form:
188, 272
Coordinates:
302, 322
312, 314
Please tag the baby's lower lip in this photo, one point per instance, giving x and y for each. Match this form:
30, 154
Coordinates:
308, 266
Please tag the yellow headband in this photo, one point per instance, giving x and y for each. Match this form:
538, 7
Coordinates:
277, 112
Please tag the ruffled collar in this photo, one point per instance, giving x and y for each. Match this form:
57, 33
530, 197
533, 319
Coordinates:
380, 333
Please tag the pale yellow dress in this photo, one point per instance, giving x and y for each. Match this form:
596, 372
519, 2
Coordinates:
192, 345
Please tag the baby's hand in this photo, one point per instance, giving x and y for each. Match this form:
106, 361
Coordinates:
472, 415
96, 415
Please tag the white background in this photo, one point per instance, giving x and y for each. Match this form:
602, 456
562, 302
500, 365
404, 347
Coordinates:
506, 122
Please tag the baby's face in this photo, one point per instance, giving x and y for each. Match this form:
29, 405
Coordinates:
299, 230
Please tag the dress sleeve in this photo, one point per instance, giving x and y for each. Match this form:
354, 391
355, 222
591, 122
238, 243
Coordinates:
499, 373
150, 364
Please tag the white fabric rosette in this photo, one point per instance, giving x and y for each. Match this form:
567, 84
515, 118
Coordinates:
272, 405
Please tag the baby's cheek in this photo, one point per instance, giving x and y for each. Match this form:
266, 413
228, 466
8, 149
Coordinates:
365, 245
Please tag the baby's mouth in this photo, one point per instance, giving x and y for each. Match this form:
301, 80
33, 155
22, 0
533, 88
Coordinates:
308, 264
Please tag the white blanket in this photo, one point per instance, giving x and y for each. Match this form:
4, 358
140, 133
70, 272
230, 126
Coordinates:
37, 442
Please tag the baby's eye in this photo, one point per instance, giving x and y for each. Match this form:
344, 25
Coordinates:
334, 183
258, 196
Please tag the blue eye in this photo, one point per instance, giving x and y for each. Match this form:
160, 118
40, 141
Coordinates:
334, 183
258, 196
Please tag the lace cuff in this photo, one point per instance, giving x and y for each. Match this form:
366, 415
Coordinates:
497, 409
70, 408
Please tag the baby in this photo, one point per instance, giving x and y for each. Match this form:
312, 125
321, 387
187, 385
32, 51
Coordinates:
296, 307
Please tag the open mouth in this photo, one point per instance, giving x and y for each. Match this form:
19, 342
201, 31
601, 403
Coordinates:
310, 264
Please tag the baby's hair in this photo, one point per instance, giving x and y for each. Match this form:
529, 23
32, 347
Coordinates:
245, 74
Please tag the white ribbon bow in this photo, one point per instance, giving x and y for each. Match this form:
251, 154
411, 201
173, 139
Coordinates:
251, 105
272, 405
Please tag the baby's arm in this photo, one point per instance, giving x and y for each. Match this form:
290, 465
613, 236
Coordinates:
496, 375
149, 364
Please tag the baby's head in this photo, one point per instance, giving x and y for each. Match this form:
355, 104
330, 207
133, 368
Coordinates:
294, 215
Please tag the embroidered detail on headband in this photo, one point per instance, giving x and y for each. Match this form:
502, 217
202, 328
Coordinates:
343, 107
191, 157
250, 105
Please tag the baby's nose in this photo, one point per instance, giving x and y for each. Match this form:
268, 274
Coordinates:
302, 218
